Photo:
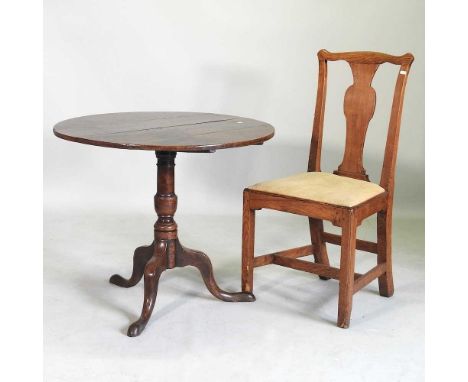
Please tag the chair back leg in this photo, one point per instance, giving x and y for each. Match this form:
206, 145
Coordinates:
248, 244
319, 246
384, 252
347, 262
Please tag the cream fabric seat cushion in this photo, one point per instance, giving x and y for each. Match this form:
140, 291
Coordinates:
322, 187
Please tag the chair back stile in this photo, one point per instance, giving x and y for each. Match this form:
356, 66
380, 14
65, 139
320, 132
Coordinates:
317, 131
359, 107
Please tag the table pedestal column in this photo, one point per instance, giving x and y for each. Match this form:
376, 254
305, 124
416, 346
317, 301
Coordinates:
166, 252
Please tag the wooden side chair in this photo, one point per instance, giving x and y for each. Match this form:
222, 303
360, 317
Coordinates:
345, 197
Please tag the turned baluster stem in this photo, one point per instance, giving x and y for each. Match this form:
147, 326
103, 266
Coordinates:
165, 204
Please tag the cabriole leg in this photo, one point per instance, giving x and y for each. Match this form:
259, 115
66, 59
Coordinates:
155, 266
197, 259
140, 258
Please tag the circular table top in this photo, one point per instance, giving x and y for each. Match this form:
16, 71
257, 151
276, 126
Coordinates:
165, 131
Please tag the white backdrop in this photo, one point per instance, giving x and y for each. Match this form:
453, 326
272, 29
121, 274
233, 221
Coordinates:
249, 58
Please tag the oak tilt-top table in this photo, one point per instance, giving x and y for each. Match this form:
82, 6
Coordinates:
166, 133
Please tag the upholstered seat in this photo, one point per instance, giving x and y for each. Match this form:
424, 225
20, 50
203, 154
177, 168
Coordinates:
322, 187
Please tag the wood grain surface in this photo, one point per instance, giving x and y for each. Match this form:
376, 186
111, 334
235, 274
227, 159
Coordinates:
165, 131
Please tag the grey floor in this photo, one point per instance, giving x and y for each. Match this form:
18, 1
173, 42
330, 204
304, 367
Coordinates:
288, 334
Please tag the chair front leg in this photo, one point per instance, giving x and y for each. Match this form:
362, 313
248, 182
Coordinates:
319, 246
248, 240
384, 252
347, 262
